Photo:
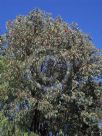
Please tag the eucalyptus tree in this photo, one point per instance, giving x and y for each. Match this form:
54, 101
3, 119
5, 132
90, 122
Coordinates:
54, 70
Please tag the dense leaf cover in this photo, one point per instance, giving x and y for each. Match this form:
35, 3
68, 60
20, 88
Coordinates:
50, 78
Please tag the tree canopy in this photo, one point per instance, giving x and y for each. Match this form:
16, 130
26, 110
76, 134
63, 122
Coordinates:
50, 77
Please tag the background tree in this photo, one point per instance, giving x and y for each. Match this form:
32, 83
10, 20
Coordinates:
53, 76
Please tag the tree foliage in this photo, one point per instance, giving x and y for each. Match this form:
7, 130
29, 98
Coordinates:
52, 76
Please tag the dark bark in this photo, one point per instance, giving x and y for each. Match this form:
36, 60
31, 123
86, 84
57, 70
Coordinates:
35, 121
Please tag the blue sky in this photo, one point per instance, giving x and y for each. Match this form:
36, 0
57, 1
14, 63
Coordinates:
87, 13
